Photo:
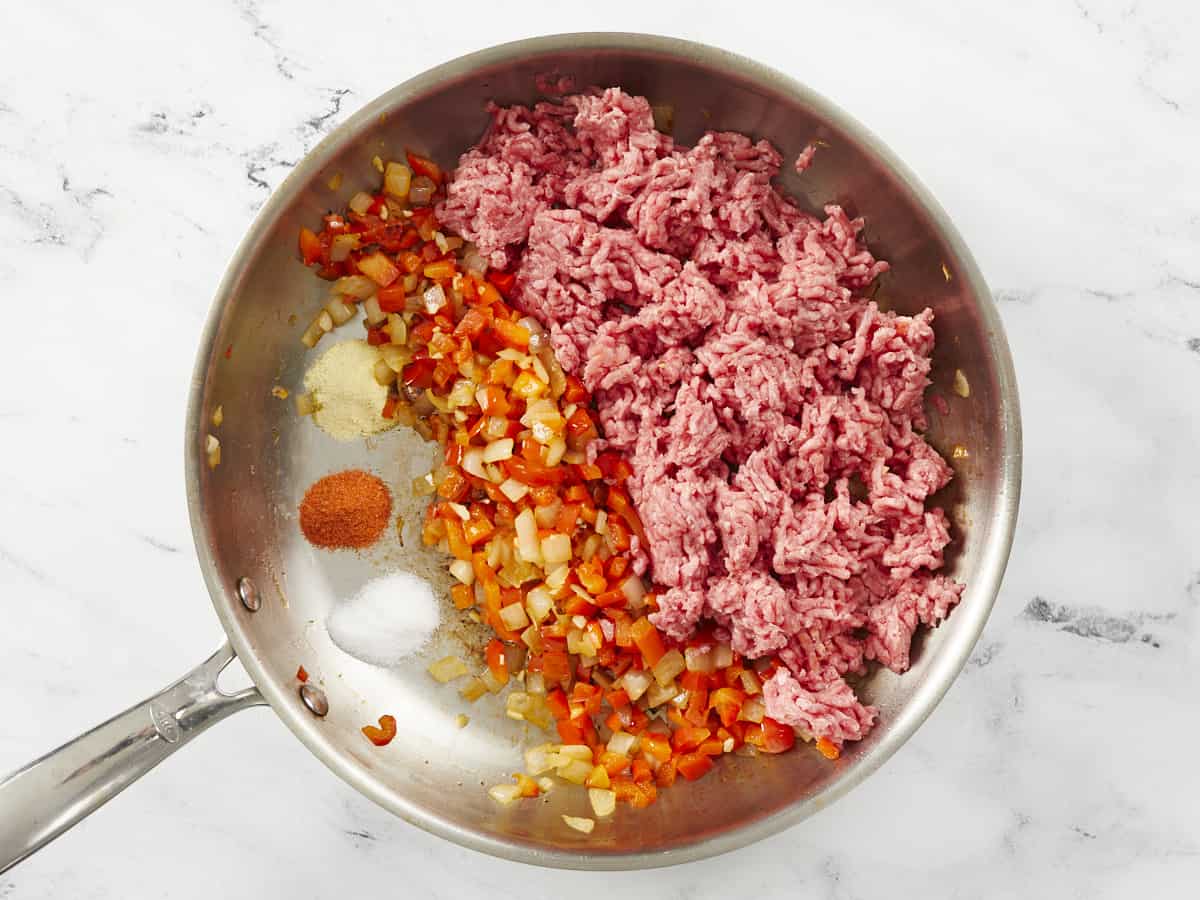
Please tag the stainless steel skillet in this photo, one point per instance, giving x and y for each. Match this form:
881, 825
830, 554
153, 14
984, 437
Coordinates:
272, 591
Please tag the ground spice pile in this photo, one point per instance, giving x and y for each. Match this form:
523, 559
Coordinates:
345, 510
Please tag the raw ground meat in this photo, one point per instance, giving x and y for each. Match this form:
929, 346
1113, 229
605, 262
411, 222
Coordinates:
772, 414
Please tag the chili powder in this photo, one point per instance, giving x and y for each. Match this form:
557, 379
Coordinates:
345, 510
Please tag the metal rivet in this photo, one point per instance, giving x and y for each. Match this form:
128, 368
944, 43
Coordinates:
248, 594
314, 698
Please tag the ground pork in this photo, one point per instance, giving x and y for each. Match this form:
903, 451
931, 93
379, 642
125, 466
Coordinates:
772, 414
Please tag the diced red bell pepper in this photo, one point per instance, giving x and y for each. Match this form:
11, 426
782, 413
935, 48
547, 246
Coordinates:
575, 391
648, 641
727, 702
503, 281
472, 324
381, 736
776, 737
419, 373
557, 703
686, 738
310, 247
617, 698
459, 548
422, 165
392, 298
494, 655
512, 334
657, 746
532, 473
441, 270
581, 430
463, 596
641, 771
693, 766
569, 732
556, 666
828, 748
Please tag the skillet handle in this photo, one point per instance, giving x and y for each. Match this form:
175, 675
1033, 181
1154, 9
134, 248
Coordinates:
48, 796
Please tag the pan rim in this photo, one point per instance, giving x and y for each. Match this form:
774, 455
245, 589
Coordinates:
944, 667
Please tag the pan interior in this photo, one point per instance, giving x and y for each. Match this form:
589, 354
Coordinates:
245, 510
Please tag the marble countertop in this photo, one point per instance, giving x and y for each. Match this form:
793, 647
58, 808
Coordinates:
137, 141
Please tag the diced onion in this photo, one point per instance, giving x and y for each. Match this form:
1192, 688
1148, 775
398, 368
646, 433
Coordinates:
750, 682
555, 451
575, 751
384, 374
556, 578
212, 450
312, 334
505, 794
581, 824
601, 521
540, 759
604, 802
660, 694
752, 710
513, 616
513, 489
463, 571
556, 548
576, 771
962, 387
547, 515
434, 299
634, 591
447, 669
473, 260
528, 545
461, 395
397, 179
699, 659
516, 704
535, 682
669, 667
539, 603
473, 690
622, 743
421, 190
531, 637
497, 451
341, 246
358, 286
396, 357
340, 311
374, 314
722, 656
361, 202
472, 462
635, 682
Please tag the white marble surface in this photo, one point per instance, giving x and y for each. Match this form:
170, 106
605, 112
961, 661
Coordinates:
136, 143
